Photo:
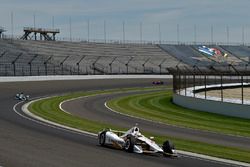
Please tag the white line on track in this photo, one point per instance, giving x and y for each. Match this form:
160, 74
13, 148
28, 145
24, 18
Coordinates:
41, 121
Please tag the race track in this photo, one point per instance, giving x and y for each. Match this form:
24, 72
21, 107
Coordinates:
93, 108
25, 143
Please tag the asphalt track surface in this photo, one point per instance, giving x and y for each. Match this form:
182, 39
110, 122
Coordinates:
25, 143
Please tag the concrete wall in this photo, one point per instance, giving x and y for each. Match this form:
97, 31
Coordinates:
218, 107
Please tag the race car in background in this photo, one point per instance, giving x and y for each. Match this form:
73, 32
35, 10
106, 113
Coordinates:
133, 141
211, 51
22, 96
157, 82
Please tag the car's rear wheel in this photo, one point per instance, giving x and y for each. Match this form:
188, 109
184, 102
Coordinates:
102, 138
168, 147
129, 144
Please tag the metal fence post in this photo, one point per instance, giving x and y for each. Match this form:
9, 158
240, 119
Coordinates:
179, 83
30, 63
242, 90
6, 73
221, 82
205, 79
14, 68
175, 84
78, 64
185, 80
62, 63
46, 65
129, 62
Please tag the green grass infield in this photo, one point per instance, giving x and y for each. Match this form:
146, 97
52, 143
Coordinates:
158, 106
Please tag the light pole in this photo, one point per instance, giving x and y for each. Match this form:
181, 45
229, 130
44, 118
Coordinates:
12, 25
104, 30
88, 24
178, 34
159, 28
123, 31
140, 32
195, 34
34, 20
212, 34
243, 35
53, 22
227, 35
70, 33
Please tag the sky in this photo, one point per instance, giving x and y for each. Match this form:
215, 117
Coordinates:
149, 20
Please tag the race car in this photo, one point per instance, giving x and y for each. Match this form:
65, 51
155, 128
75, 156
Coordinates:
157, 82
133, 141
22, 96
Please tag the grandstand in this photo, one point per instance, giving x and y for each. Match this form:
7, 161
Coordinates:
57, 57
242, 52
29, 57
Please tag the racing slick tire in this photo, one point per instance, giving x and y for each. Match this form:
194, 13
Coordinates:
168, 148
129, 144
102, 138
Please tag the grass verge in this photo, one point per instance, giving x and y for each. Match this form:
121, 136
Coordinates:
49, 109
158, 106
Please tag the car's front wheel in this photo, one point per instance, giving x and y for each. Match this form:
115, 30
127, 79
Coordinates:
129, 144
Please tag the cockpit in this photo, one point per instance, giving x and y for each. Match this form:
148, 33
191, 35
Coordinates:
136, 131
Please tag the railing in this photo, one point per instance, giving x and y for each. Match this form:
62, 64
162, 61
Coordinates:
198, 84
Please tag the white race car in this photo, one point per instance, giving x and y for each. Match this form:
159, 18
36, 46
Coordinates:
21, 96
134, 141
